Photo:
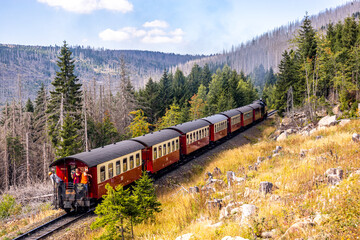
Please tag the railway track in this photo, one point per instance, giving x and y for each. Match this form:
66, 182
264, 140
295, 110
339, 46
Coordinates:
54, 226
271, 113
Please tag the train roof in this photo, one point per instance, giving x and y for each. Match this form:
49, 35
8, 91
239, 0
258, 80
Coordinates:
215, 118
255, 105
261, 102
153, 138
190, 126
231, 113
244, 109
103, 154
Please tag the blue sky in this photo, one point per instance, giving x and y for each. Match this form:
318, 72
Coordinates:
179, 26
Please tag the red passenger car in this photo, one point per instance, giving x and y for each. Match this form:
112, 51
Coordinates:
234, 120
246, 115
218, 126
162, 149
257, 111
194, 135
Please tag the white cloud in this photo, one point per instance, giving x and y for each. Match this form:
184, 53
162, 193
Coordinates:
111, 35
153, 36
88, 6
156, 24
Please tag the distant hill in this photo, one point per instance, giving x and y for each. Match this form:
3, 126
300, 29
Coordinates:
33, 65
267, 48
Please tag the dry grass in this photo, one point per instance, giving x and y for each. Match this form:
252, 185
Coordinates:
301, 192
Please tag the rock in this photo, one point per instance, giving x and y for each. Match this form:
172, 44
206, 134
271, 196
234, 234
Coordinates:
334, 175
228, 210
215, 204
312, 131
265, 187
215, 183
356, 137
282, 136
303, 153
277, 149
233, 238
194, 189
235, 211
216, 171
269, 157
269, 234
320, 218
291, 131
343, 122
247, 212
251, 167
305, 133
185, 236
231, 178
298, 227
327, 121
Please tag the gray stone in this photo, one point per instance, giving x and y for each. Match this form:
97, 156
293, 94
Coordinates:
327, 121
232, 179
334, 175
343, 122
207, 190
248, 211
282, 136
265, 187
318, 137
356, 137
216, 225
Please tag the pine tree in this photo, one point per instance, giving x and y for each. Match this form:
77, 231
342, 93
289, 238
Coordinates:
306, 40
205, 76
112, 212
144, 193
29, 107
148, 99
66, 97
178, 86
69, 143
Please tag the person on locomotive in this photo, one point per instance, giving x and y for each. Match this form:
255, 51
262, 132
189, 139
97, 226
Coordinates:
85, 179
77, 176
59, 188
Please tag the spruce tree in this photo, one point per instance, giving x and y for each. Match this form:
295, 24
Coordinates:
65, 99
69, 142
39, 118
29, 107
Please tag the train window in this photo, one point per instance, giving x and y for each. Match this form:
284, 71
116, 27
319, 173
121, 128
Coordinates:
102, 174
155, 153
138, 163
125, 165
110, 170
177, 144
187, 138
173, 145
164, 146
160, 151
169, 148
197, 135
131, 166
194, 139
190, 137
118, 168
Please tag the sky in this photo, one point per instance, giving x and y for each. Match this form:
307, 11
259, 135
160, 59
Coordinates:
172, 26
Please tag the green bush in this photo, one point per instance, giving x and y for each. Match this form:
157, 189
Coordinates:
8, 206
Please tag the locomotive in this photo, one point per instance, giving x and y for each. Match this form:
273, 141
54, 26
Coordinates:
123, 162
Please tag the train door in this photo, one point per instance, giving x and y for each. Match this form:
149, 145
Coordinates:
71, 171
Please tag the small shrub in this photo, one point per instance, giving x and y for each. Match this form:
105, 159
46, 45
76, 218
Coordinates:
8, 206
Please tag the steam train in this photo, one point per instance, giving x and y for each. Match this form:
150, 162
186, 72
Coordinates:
123, 162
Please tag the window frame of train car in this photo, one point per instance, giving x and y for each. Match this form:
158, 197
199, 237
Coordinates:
158, 140
187, 130
218, 126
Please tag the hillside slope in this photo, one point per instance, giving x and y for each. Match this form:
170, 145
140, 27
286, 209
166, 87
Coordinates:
306, 201
33, 65
268, 48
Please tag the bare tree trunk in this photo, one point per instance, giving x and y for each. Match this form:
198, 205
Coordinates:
27, 160
85, 122
6, 157
44, 161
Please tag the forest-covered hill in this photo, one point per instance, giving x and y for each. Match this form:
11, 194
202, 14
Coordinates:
33, 65
267, 48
